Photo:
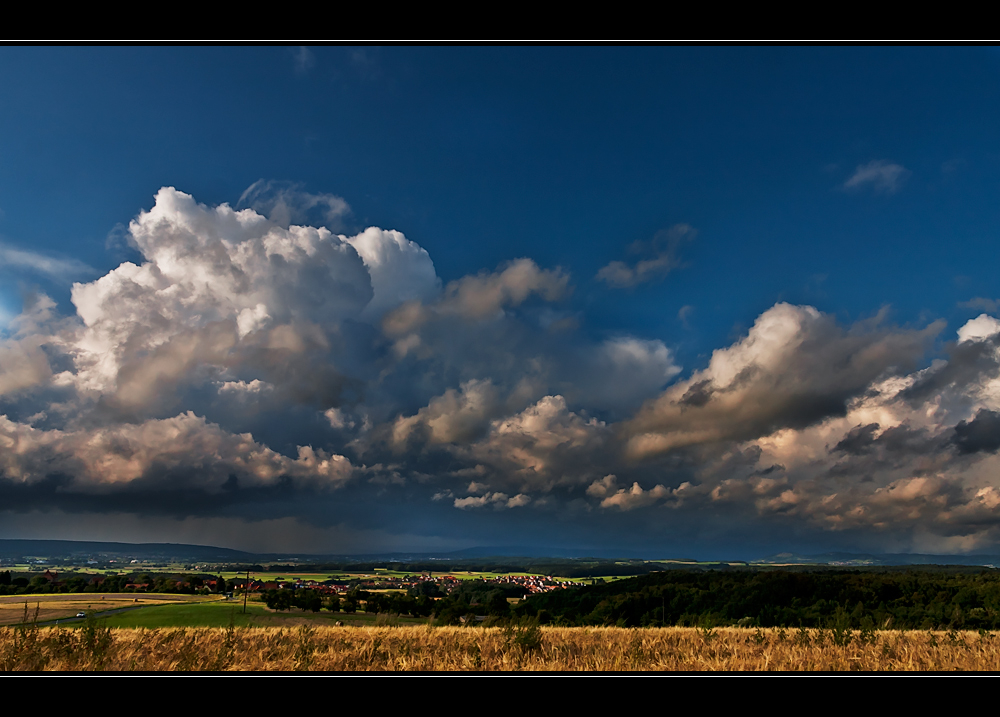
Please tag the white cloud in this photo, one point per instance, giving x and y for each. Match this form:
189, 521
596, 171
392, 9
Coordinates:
400, 270
55, 266
219, 288
183, 450
286, 203
241, 390
879, 175
543, 445
635, 497
481, 297
499, 501
978, 329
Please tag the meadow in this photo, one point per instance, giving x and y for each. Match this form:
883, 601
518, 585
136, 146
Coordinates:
153, 610
46, 608
524, 647
221, 613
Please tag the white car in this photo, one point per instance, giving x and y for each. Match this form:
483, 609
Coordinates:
81, 614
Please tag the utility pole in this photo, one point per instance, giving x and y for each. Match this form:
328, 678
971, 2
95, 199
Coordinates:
246, 591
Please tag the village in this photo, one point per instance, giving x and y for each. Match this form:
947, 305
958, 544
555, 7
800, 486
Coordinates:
424, 583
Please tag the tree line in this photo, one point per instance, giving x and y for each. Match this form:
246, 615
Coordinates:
926, 598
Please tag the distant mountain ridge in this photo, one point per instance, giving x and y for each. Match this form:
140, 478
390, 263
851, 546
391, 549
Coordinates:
13, 549
877, 559
53, 549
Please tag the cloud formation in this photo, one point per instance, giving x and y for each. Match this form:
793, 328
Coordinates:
221, 291
881, 176
658, 258
794, 367
481, 297
336, 379
183, 450
287, 203
57, 267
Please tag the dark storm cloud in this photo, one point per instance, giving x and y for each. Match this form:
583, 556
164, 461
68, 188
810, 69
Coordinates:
980, 434
969, 362
858, 441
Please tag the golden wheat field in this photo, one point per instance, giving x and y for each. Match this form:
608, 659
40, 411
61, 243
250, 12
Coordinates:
446, 649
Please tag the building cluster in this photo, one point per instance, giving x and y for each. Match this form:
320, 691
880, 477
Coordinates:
446, 583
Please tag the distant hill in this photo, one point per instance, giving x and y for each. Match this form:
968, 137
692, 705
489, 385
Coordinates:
20, 550
858, 559
79, 549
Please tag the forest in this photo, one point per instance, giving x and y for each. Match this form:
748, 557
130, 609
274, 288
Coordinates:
928, 597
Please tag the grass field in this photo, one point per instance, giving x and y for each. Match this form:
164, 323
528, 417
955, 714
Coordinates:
220, 613
151, 610
67, 605
525, 648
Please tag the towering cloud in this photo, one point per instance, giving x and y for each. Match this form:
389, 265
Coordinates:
310, 376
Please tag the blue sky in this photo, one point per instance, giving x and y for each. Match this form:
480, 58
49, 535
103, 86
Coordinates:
662, 300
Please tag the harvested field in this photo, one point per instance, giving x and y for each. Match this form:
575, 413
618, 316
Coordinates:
443, 649
67, 605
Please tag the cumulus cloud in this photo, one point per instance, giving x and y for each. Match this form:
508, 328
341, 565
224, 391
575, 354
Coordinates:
229, 310
480, 297
794, 368
980, 328
183, 450
881, 176
606, 490
244, 391
625, 371
658, 258
23, 361
496, 500
400, 270
913, 458
455, 416
542, 446
23, 365
338, 418
635, 497
220, 289
245, 352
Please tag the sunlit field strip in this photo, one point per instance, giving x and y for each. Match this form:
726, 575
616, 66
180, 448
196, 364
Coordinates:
443, 649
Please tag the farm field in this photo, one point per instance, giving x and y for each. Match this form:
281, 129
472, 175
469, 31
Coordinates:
526, 648
220, 613
66, 605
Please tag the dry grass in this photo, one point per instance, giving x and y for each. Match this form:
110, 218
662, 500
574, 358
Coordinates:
354, 649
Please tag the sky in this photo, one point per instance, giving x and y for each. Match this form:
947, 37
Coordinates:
715, 302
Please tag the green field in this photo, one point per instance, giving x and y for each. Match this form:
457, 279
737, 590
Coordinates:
220, 613
208, 614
